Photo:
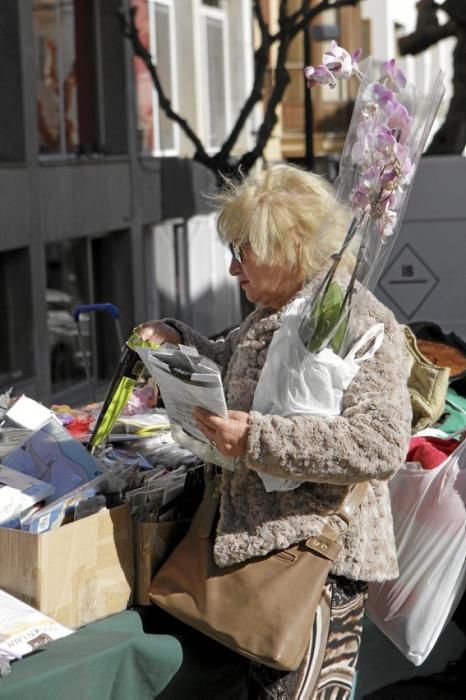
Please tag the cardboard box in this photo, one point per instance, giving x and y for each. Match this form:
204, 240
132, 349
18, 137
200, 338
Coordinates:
77, 573
153, 543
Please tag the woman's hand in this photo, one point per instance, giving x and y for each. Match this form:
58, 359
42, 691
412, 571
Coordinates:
230, 435
158, 332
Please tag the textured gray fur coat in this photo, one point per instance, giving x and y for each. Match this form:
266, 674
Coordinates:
368, 441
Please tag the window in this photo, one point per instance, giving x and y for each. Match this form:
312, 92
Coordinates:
16, 358
12, 127
78, 272
215, 66
65, 76
68, 284
155, 21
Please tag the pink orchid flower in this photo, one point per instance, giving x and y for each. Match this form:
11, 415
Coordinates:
390, 178
367, 189
385, 142
360, 199
392, 76
385, 224
339, 61
399, 121
319, 76
383, 96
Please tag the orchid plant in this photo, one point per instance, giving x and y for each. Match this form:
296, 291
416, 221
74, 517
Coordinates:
379, 162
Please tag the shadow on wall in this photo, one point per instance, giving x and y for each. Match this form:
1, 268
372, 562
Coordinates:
209, 313
188, 278
186, 187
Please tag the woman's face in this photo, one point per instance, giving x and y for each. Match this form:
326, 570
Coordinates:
270, 285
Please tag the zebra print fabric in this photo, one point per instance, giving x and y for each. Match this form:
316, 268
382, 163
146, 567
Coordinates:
328, 668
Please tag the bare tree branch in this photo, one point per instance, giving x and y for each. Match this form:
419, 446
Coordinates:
420, 41
282, 79
450, 138
289, 26
130, 31
283, 12
264, 29
297, 14
310, 14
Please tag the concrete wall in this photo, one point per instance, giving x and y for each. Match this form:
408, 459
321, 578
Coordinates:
84, 199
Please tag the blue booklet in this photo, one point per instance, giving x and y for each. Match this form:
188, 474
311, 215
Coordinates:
52, 455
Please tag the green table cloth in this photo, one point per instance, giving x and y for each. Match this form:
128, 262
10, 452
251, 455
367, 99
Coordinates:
134, 655
113, 659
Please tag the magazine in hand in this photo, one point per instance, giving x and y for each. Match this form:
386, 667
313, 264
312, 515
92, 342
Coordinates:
186, 380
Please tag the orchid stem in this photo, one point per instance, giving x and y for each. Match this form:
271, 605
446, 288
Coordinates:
350, 287
338, 256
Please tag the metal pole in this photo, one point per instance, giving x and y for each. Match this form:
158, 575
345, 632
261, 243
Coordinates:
308, 112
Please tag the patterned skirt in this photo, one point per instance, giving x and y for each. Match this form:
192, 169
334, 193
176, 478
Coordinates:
328, 668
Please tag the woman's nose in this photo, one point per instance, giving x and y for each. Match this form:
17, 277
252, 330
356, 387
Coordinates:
235, 267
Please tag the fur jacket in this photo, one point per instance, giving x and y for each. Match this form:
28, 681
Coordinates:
368, 441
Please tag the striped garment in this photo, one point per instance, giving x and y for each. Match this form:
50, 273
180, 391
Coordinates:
329, 665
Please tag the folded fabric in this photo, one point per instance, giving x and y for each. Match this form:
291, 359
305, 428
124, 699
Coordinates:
430, 451
454, 418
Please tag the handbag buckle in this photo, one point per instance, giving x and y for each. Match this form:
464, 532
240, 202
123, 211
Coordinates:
323, 546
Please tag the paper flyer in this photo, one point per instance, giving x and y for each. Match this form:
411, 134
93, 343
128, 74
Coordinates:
19, 492
24, 629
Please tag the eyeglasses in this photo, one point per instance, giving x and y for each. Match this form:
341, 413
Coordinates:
236, 251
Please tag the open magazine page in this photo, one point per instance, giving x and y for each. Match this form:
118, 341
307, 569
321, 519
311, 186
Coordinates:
187, 379
24, 629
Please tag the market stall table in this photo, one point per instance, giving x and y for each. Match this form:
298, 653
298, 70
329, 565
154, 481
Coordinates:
112, 658
141, 654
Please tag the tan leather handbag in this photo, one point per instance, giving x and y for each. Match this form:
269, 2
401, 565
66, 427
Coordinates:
263, 608
427, 385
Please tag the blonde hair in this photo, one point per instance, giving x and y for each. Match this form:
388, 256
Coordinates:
276, 208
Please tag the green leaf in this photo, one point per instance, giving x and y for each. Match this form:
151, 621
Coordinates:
325, 317
337, 340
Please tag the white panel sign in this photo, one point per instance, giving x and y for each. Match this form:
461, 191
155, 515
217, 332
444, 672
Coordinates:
408, 281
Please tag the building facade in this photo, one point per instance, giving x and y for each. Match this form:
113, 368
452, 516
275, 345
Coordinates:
89, 167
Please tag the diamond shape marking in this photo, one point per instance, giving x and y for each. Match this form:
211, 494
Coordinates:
408, 281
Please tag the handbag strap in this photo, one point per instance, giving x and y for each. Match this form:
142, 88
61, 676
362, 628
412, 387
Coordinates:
346, 511
207, 511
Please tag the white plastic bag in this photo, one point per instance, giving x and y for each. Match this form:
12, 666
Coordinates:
295, 381
429, 513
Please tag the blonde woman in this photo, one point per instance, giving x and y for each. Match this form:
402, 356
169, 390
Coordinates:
273, 223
